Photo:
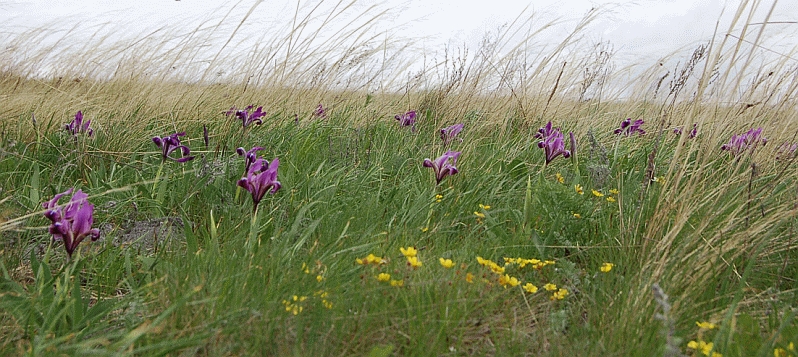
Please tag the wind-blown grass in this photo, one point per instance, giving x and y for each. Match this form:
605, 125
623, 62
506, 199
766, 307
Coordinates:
172, 273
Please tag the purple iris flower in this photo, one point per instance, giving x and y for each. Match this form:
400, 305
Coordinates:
78, 126
545, 131
441, 165
554, 146
739, 143
72, 222
630, 128
205, 135
246, 117
786, 150
261, 178
249, 156
320, 112
693, 133
407, 119
450, 132
170, 143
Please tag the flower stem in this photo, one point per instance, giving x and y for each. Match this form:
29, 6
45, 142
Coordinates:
253, 232
157, 177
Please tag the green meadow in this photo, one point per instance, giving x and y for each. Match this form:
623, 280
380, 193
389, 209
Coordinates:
664, 243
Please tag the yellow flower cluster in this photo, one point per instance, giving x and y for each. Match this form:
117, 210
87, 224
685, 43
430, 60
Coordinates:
384, 277
535, 263
559, 294
411, 254
446, 263
321, 294
780, 352
371, 259
578, 189
438, 198
507, 280
704, 347
597, 193
294, 305
490, 264
397, 283
606, 267
560, 179
706, 325
530, 288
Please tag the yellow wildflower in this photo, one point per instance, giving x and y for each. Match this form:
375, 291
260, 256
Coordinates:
305, 268
606, 267
559, 294
446, 263
371, 259
424, 229
780, 352
485, 207
438, 197
319, 278
597, 194
706, 325
413, 262
479, 214
327, 304
704, 347
530, 288
659, 179
409, 251
610, 199
397, 283
614, 191
560, 179
578, 189
383, 277
577, 216
469, 278
550, 287
506, 280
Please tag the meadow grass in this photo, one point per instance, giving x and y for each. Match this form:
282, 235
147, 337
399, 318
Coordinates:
695, 234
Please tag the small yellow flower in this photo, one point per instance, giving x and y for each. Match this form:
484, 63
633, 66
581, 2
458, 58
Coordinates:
706, 325
597, 194
559, 294
305, 268
659, 179
506, 280
485, 207
704, 347
371, 259
327, 304
560, 179
409, 251
469, 278
424, 229
397, 282
606, 267
413, 262
319, 278
610, 199
578, 189
530, 288
479, 214
614, 191
383, 277
550, 287
446, 263
438, 197
577, 215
